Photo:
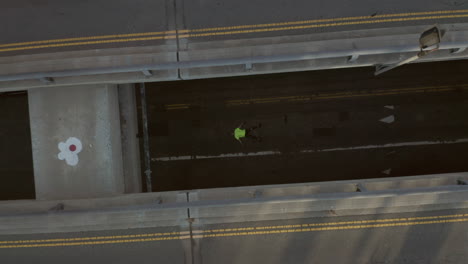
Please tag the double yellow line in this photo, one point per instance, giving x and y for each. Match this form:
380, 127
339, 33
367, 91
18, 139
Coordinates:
330, 96
347, 95
243, 231
232, 30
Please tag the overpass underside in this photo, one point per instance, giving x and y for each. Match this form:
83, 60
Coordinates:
91, 122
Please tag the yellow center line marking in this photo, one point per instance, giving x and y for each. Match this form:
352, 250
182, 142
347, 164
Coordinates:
94, 242
177, 105
185, 234
380, 94
343, 95
288, 28
233, 27
94, 238
284, 26
338, 95
87, 43
329, 20
285, 231
358, 222
177, 108
250, 233
88, 38
266, 102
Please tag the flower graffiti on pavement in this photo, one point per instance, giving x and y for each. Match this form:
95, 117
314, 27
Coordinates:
69, 151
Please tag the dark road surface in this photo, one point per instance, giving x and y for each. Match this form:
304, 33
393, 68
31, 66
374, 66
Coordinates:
16, 169
316, 126
416, 238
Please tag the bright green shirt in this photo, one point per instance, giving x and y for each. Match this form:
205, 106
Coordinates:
239, 133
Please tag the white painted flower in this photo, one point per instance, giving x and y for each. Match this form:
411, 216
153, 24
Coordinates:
69, 151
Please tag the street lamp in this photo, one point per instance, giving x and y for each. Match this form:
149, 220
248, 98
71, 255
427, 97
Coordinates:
429, 41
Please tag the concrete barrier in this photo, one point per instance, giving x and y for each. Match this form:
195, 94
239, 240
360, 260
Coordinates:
435, 192
120, 212
226, 205
229, 58
439, 198
303, 189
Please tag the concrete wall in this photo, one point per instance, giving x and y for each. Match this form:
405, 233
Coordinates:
130, 143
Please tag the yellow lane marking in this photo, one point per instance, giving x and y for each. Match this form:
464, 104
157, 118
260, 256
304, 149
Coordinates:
358, 222
87, 43
343, 95
238, 229
189, 33
95, 242
88, 38
285, 231
329, 20
233, 27
177, 105
338, 95
94, 238
288, 28
177, 108
247, 233
267, 101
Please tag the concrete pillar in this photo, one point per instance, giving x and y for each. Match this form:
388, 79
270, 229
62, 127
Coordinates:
130, 143
76, 143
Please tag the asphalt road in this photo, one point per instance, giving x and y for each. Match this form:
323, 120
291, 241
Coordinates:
28, 26
33, 20
316, 126
428, 237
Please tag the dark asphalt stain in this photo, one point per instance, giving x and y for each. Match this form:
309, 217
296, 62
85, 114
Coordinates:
343, 116
325, 131
159, 129
196, 123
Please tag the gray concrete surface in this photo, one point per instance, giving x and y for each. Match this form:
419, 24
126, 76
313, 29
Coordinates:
90, 114
418, 237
